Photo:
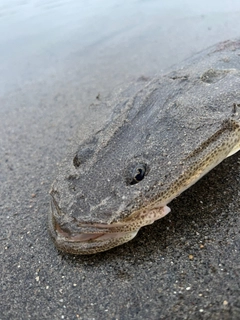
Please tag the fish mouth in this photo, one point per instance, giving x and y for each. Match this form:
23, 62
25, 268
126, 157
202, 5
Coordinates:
98, 237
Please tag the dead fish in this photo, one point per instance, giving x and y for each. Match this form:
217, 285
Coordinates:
162, 137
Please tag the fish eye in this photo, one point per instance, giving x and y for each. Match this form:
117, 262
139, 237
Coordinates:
138, 173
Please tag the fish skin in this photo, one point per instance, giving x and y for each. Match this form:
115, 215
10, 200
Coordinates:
161, 123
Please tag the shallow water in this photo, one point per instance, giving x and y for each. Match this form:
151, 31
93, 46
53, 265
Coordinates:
60, 38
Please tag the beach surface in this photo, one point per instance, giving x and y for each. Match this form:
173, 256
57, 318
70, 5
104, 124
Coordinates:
57, 58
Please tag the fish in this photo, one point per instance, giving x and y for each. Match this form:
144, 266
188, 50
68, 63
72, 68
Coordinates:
163, 135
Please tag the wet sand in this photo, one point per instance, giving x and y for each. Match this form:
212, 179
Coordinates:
185, 266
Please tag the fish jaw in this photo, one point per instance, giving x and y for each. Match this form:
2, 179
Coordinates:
102, 237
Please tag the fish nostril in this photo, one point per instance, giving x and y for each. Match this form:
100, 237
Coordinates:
81, 156
76, 161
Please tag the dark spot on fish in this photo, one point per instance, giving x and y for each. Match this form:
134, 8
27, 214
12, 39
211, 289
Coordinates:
212, 75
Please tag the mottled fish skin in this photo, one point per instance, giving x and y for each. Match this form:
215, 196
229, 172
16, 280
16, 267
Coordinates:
163, 136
